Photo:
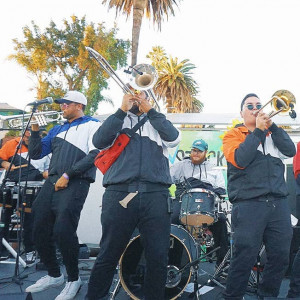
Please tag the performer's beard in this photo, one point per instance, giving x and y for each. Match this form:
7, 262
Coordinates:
134, 109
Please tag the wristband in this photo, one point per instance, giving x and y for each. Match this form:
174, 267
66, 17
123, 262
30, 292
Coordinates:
65, 175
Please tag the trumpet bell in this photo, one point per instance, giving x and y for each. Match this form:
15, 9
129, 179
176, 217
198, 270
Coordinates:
283, 100
143, 77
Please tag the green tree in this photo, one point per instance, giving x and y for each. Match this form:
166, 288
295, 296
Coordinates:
158, 9
175, 84
58, 60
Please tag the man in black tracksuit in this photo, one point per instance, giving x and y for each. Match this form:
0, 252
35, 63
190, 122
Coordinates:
60, 201
255, 152
141, 168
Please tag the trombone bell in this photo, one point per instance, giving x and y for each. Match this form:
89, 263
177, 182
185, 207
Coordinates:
287, 102
143, 77
144, 80
283, 101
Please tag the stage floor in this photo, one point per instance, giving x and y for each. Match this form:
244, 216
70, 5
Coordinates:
9, 290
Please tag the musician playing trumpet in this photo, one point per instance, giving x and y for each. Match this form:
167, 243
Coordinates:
255, 151
58, 206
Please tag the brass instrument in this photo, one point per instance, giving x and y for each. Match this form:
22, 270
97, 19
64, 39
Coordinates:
282, 101
142, 77
40, 118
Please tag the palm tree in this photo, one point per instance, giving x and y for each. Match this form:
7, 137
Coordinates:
175, 84
155, 8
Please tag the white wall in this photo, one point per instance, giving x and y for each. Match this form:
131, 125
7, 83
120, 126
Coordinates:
89, 228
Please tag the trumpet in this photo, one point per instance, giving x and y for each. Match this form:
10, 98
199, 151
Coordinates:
142, 77
40, 118
283, 101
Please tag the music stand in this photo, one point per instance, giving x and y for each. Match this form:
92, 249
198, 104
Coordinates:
16, 278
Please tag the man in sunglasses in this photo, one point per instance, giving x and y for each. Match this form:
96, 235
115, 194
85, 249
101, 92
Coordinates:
255, 151
60, 201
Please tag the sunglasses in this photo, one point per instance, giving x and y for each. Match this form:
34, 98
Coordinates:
65, 105
251, 106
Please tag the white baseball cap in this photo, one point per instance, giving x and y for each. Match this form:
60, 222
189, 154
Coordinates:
73, 96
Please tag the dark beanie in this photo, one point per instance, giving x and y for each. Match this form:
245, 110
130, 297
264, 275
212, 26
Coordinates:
245, 98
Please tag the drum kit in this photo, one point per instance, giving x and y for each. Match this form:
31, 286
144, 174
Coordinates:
27, 190
18, 199
198, 208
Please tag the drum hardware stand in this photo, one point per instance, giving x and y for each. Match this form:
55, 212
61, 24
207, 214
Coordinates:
224, 265
220, 269
258, 265
196, 287
115, 291
194, 265
2, 228
16, 278
256, 278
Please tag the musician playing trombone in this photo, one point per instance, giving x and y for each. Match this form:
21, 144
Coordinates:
141, 172
255, 151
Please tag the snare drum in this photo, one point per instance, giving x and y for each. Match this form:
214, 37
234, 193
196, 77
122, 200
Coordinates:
9, 195
198, 207
32, 190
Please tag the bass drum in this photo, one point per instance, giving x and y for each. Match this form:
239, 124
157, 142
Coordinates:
183, 250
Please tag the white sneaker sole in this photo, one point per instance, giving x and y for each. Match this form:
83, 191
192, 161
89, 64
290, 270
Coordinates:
57, 298
28, 290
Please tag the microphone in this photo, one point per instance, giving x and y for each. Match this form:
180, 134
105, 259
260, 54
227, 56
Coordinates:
47, 100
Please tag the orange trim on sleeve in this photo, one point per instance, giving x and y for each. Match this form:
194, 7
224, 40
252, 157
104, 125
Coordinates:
232, 141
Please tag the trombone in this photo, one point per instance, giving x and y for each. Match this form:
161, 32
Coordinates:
283, 101
143, 76
41, 118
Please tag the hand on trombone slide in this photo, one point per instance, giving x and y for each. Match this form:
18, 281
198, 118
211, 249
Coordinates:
263, 121
140, 100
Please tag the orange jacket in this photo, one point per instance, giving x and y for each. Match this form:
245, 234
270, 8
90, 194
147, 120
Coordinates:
255, 162
9, 148
6, 154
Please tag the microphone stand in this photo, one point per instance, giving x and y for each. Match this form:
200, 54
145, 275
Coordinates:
16, 278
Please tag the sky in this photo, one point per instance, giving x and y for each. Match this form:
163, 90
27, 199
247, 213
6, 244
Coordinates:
237, 46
